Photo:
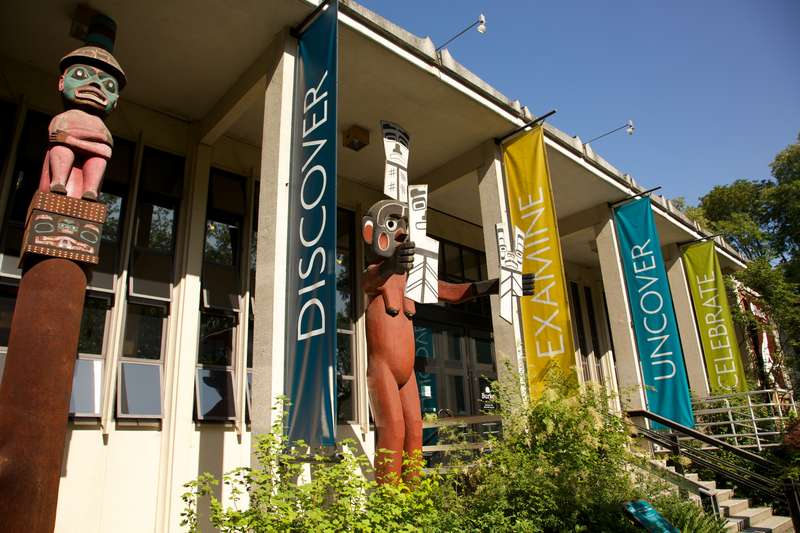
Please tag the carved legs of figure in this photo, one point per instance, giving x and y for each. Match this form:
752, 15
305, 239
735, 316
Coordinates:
64, 175
398, 418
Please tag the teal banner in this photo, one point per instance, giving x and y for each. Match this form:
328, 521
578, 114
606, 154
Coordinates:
654, 323
311, 280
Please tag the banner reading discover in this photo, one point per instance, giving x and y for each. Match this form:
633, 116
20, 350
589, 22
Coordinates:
311, 280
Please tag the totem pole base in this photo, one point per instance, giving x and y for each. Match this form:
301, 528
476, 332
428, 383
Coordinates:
35, 392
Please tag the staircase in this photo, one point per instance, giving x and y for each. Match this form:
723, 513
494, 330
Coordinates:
738, 514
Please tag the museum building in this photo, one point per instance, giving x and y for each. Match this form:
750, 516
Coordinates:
182, 341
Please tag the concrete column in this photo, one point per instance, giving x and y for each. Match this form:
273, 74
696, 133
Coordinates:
273, 215
629, 375
690, 338
178, 444
507, 347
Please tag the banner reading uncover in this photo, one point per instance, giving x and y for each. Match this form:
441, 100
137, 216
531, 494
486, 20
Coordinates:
311, 280
654, 323
546, 326
714, 321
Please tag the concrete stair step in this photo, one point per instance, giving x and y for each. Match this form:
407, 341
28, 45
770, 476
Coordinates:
753, 515
723, 494
692, 476
734, 525
710, 485
733, 506
773, 524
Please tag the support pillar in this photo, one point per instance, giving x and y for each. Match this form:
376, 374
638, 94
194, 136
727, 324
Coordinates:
629, 376
684, 311
273, 215
508, 350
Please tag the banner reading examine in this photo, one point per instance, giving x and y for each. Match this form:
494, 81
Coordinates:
714, 321
654, 323
545, 317
311, 280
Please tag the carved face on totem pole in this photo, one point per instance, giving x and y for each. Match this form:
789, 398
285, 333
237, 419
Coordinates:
89, 88
385, 226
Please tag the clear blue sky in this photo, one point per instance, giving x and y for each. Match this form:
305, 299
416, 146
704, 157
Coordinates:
713, 86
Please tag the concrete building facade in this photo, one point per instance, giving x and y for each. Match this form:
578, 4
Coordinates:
182, 343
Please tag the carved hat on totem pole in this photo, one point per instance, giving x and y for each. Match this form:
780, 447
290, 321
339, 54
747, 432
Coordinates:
98, 50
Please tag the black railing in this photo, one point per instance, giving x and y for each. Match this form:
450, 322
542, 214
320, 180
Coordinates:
757, 473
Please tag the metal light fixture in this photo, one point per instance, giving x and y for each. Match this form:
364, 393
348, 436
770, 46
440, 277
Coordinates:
628, 126
480, 23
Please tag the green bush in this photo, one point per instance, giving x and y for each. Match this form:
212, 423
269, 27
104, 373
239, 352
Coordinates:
563, 463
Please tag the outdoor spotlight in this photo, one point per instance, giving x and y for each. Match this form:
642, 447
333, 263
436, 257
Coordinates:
356, 137
630, 127
482, 24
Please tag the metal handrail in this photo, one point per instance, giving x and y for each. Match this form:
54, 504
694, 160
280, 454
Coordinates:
744, 454
767, 481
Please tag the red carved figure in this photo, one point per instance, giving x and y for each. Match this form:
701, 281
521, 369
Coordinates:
80, 143
390, 334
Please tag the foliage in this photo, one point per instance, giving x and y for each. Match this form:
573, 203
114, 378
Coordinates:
761, 218
684, 515
562, 464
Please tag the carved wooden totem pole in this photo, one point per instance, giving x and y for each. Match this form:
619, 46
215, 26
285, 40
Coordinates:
393, 260
60, 245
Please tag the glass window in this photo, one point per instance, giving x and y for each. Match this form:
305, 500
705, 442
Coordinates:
86, 388
345, 369
577, 309
139, 389
114, 194
454, 347
598, 364
215, 394
28, 167
484, 351
93, 326
457, 384
216, 339
472, 265
144, 327
453, 271
156, 219
220, 243
8, 111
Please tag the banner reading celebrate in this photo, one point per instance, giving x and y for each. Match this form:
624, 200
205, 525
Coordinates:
714, 321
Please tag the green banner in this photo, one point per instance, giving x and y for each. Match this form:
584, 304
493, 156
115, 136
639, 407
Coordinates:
713, 315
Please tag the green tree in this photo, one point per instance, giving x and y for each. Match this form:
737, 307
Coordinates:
761, 218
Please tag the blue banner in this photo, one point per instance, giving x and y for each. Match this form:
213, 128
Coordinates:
654, 323
311, 280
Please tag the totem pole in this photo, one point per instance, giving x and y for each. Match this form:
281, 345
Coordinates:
399, 272
60, 244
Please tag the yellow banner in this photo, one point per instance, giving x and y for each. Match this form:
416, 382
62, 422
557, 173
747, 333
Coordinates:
547, 333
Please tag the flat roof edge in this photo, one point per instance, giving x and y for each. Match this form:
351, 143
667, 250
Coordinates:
584, 151
425, 49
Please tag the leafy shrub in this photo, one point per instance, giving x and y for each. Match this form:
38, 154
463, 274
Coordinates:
563, 463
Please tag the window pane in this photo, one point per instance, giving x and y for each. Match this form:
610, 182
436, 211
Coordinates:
457, 384
216, 339
579, 325
93, 326
8, 297
140, 389
250, 324
86, 387
156, 232
344, 398
452, 262
144, 325
483, 351
25, 181
215, 394
472, 270
426, 383
598, 366
344, 290
220, 243
344, 354
453, 339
